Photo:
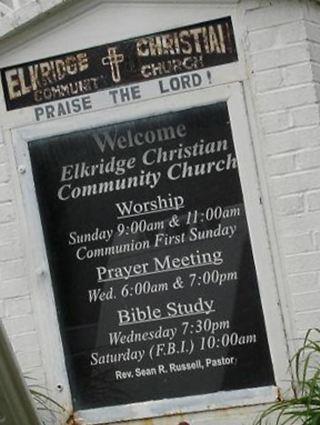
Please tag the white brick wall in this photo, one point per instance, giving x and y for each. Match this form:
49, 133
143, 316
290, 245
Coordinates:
283, 43
313, 201
287, 205
16, 310
23, 11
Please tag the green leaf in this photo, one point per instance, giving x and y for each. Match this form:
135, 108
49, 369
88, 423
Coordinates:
305, 407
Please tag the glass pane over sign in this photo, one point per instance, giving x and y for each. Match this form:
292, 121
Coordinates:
150, 259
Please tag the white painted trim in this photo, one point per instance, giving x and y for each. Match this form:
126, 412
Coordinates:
281, 294
259, 237
233, 94
24, 15
158, 408
41, 288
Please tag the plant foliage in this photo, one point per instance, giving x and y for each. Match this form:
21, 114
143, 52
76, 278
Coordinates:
304, 408
42, 400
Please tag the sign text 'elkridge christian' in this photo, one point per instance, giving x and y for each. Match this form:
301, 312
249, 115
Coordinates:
138, 59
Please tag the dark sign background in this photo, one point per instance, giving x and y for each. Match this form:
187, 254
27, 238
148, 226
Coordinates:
49, 85
86, 327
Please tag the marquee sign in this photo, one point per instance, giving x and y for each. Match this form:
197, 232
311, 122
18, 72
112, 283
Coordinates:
136, 60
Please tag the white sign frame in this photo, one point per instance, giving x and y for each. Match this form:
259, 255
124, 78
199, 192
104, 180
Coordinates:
42, 285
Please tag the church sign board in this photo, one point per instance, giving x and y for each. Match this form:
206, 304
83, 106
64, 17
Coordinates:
109, 66
150, 258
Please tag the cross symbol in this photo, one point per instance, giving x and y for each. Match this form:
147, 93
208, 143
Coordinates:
113, 59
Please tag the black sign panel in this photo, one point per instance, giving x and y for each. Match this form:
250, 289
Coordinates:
130, 61
150, 258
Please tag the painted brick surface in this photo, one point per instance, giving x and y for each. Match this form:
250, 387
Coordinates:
298, 74
276, 121
313, 201
22, 324
305, 116
270, 79
308, 158
4, 173
284, 53
292, 204
304, 282
282, 164
30, 360
287, 98
6, 192
3, 154
292, 140
296, 182
18, 307
16, 310
24, 342
13, 288
7, 212
11, 250
298, 244
266, 16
